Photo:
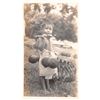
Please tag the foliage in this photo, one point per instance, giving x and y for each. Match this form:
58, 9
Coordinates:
65, 27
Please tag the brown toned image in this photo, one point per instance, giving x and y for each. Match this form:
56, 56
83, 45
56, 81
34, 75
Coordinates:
50, 50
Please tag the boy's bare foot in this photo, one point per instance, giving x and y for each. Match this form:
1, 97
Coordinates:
49, 89
46, 92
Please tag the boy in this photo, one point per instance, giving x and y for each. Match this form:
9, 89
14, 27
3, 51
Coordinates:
44, 48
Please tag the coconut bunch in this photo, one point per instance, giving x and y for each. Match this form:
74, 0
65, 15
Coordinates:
49, 62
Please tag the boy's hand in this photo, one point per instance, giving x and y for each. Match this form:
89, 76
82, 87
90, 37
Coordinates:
55, 77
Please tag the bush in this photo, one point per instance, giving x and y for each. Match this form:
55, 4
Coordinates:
65, 28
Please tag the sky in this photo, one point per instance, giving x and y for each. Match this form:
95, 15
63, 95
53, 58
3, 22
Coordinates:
72, 2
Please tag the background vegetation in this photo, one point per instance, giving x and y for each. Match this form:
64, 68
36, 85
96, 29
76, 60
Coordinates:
62, 16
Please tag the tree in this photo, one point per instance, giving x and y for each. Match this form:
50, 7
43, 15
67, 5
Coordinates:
65, 26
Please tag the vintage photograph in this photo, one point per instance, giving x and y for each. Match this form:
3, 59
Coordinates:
50, 49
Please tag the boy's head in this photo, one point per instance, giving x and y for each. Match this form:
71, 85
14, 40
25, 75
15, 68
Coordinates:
48, 28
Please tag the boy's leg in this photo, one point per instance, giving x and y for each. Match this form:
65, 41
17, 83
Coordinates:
43, 83
48, 84
55, 85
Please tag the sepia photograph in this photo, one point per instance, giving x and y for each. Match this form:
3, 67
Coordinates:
50, 49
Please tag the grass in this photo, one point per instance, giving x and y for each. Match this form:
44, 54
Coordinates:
32, 86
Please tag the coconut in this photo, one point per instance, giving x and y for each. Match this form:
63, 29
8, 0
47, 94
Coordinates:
33, 59
49, 62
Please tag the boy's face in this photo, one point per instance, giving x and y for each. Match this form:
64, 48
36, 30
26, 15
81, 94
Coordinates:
48, 29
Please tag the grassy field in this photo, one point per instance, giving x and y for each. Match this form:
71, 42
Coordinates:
32, 86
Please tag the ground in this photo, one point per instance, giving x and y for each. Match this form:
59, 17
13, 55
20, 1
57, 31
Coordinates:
32, 86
